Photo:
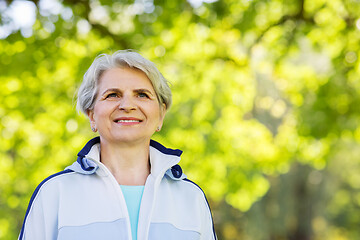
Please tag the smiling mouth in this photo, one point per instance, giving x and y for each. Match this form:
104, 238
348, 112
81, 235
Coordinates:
127, 121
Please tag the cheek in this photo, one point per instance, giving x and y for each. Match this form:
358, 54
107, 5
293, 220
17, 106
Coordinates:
99, 112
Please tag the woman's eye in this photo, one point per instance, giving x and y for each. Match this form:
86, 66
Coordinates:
143, 95
111, 95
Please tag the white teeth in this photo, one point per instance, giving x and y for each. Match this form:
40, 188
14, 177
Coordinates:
126, 121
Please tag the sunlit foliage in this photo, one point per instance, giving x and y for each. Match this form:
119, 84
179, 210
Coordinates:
266, 103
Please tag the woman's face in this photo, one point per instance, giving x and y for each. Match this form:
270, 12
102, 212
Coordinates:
126, 107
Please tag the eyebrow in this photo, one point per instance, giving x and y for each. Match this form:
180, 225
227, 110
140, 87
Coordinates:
111, 90
140, 90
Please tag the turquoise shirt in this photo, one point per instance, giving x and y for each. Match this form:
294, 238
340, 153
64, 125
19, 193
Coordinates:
133, 195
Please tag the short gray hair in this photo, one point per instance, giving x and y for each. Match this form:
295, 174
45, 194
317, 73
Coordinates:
122, 58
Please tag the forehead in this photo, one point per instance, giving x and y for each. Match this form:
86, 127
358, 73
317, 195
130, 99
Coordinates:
124, 78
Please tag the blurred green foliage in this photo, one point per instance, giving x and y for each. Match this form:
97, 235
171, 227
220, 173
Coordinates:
266, 97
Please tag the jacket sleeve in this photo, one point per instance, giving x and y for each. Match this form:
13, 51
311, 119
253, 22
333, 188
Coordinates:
34, 222
207, 226
40, 222
207, 230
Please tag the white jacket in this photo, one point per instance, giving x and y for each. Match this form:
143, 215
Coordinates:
85, 202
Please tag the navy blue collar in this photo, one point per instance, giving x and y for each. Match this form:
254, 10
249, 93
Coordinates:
86, 149
168, 151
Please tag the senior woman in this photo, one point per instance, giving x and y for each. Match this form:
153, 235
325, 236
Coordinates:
123, 185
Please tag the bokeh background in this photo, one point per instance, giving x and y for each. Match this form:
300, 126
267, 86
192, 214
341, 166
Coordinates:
266, 103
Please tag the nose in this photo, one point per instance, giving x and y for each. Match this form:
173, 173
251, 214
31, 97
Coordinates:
127, 104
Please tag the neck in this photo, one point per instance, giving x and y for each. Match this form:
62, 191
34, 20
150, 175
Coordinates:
129, 163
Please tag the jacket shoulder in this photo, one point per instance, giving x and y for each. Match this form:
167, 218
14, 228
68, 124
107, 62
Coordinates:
50, 179
194, 186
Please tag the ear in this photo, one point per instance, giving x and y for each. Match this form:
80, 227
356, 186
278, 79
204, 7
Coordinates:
90, 114
162, 114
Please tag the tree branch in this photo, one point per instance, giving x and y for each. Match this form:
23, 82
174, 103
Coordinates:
299, 16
